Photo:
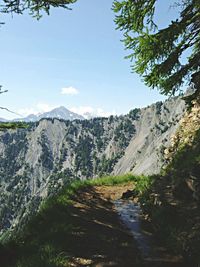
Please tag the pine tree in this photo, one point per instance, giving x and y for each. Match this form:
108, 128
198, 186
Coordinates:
158, 53
34, 7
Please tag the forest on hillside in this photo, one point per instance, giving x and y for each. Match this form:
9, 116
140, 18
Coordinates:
86, 187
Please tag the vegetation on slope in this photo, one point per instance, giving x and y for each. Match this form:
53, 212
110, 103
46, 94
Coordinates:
13, 125
50, 237
41, 159
172, 202
158, 51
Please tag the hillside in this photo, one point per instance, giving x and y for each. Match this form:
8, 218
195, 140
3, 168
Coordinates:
157, 123
172, 202
81, 227
36, 162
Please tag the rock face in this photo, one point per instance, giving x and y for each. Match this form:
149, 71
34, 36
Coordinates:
153, 131
37, 162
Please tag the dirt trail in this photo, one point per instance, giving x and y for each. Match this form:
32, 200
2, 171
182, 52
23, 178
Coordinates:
99, 238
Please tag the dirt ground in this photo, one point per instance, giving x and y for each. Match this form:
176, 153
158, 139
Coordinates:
99, 239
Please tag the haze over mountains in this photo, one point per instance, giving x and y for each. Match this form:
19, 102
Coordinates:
58, 113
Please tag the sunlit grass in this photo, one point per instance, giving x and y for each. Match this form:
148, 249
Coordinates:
13, 125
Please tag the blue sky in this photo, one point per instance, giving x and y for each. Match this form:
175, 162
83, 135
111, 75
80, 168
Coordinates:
77, 50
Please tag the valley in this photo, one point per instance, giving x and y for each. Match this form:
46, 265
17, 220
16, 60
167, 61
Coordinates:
100, 166
83, 210
37, 162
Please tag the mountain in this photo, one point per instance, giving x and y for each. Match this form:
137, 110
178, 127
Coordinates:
37, 162
156, 125
29, 118
59, 113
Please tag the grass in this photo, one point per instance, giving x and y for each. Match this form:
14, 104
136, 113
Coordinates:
12, 125
42, 242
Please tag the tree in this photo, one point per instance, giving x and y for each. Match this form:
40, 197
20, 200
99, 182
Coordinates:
35, 7
158, 53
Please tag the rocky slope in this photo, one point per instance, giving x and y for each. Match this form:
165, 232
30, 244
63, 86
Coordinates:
37, 162
173, 201
144, 154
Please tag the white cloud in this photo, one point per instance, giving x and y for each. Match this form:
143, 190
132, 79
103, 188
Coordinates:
88, 112
69, 91
37, 109
44, 107
102, 113
82, 110
27, 111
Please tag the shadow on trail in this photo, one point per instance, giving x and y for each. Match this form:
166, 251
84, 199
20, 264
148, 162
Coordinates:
98, 236
153, 253
87, 232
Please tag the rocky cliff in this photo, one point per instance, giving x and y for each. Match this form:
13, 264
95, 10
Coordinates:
37, 162
157, 123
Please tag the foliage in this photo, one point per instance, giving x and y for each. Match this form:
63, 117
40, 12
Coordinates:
42, 242
46, 157
159, 106
124, 132
105, 166
88, 149
134, 114
172, 202
158, 52
13, 125
34, 7
83, 160
143, 183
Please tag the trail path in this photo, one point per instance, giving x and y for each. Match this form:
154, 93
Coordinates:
99, 237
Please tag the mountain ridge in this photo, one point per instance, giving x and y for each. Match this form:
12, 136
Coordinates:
37, 162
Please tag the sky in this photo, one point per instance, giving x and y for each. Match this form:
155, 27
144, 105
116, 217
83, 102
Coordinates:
73, 59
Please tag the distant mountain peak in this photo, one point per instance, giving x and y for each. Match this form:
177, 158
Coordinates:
57, 113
